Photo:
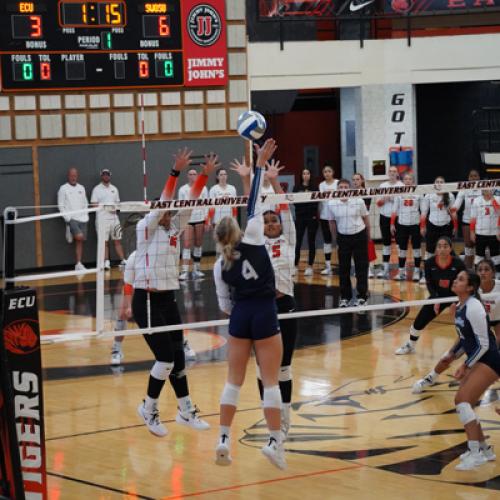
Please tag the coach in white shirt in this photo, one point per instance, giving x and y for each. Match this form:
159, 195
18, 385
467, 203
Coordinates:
349, 223
70, 197
107, 194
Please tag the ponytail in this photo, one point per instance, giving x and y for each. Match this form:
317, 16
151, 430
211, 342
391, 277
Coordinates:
227, 236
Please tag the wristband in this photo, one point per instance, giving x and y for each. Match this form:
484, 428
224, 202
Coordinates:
128, 289
175, 173
472, 224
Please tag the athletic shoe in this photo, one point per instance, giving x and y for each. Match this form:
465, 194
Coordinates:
285, 421
400, 275
275, 453
419, 385
69, 234
488, 453
188, 351
222, 456
416, 275
152, 420
370, 273
116, 357
343, 303
80, 267
308, 271
197, 274
184, 276
326, 272
471, 461
406, 348
191, 419
384, 275
107, 265
423, 281
360, 303
123, 263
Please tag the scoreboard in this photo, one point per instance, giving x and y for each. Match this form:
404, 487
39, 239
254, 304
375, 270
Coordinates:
76, 44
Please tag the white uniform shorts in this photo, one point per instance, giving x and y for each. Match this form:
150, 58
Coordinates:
112, 227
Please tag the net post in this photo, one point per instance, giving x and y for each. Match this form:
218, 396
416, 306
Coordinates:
9, 264
99, 316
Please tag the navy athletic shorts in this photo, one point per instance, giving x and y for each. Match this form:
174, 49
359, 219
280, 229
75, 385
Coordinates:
255, 318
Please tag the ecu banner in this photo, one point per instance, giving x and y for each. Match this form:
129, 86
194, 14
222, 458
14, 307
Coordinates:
21, 398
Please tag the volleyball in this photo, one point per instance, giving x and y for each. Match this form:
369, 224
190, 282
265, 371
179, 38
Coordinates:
251, 125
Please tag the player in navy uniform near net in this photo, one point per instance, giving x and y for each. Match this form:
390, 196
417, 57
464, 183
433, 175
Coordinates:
489, 285
246, 291
440, 271
480, 369
156, 277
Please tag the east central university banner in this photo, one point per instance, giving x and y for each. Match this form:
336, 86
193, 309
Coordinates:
204, 42
404, 6
24, 398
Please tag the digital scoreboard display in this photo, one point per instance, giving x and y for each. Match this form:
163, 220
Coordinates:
76, 44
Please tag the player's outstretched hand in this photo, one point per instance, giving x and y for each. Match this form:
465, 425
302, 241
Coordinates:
273, 169
242, 169
211, 163
182, 159
266, 152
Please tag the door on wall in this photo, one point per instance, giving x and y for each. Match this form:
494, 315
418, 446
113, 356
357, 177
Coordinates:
16, 190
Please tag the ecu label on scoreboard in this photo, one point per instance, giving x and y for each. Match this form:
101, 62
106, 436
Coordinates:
104, 44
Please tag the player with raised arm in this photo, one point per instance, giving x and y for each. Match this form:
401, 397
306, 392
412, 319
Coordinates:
246, 291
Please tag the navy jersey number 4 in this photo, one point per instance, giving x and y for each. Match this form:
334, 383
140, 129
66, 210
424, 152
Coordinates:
248, 272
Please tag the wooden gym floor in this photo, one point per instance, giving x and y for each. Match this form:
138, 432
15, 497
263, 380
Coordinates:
357, 430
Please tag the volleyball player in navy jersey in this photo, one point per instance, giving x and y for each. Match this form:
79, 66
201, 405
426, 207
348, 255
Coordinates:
440, 271
246, 291
480, 369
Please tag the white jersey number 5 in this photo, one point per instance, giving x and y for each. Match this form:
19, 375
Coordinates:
248, 271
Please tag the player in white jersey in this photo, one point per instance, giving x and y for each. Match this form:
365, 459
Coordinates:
350, 224
221, 190
280, 242
466, 198
156, 277
484, 226
106, 193
489, 285
405, 225
386, 205
329, 184
438, 217
193, 234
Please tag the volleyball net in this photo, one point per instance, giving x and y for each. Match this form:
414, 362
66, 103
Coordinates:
97, 319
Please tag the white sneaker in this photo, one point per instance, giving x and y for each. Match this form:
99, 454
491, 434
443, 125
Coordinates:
488, 453
69, 234
285, 421
308, 271
326, 272
400, 275
370, 273
416, 275
188, 351
382, 275
184, 275
222, 456
423, 281
192, 420
471, 461
275, 452
116, 357
80, 267
197, 274
360, 303
107, 265
123, 263
343, 303
406, 348
419, 385
152, 420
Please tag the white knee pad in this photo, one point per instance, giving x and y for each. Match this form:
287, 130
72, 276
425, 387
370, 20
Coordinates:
272, 397
402, 253
465, 413
230, 395
416, 252
186, 254
285, 374
197, 252
386, 250
469, 251
161, 370
327, 248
